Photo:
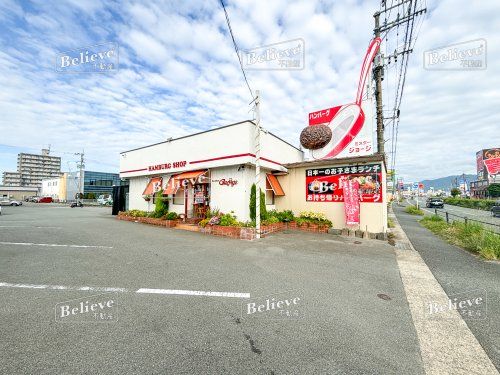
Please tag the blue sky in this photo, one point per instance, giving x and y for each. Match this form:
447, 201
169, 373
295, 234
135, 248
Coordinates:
178, 74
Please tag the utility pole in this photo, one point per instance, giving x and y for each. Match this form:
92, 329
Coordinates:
378, 90
257, 163
81, 166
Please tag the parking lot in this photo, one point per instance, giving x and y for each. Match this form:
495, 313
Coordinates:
180, 300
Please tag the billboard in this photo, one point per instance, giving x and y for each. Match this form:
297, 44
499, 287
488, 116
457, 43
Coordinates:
491, 160
349, 135
327, 184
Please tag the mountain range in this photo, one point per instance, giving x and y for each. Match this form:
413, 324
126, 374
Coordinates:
445, 183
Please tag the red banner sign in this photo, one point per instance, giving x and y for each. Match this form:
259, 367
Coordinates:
326, 184
351, 201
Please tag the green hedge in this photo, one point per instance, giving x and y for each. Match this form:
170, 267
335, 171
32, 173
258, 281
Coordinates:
479, 204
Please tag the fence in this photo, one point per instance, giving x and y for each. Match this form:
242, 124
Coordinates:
490, 227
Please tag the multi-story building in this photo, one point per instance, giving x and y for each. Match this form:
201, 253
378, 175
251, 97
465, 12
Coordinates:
32, 168
99, 183
11, 178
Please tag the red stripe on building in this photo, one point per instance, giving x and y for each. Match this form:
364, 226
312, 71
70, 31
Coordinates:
135, 170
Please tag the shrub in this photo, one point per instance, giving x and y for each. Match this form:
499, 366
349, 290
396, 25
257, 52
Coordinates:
171, 216
413, 210
136, 213
390, 223
214, 220
161, 205
252, 205
212, 212
480, 204
228, 220
203, 223
455, 192
494, 190
270, 220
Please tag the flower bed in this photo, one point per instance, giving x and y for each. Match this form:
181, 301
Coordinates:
148, 220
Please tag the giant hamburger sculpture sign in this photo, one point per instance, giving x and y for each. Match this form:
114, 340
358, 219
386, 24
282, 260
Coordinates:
331, 131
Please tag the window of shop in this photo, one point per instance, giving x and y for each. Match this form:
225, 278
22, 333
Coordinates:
179, 197
269, 193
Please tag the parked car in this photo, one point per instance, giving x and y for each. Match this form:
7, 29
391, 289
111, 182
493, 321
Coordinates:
10, 202
495, 210
105, 200
434, 203
44, 200
76, 204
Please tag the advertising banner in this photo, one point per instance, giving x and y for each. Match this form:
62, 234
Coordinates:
491, 159
326, 184
351, 201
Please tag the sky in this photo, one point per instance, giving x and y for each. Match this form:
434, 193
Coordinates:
178, 74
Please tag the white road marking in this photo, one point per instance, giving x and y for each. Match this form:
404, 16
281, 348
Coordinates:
55, 245
124, 290
193, 293
61, 287
26, 226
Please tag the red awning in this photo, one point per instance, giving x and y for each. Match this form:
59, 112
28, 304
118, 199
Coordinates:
171, 187
191, 175
153, 186
275, 185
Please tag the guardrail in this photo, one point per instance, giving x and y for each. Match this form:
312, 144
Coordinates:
450, 218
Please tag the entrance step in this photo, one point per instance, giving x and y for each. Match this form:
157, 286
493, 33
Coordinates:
189, 227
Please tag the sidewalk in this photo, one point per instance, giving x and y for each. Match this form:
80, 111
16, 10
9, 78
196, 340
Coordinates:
447, 344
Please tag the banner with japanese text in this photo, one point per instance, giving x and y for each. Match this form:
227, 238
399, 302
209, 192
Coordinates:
351, 201
326, 184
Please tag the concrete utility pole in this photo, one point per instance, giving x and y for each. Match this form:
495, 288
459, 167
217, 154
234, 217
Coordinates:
378, 91
81, 166
257, 164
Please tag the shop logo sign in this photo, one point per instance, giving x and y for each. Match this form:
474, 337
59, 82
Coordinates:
286, 305
101, 308
229, 182
470, 305
287, 55
99, 58
470, 55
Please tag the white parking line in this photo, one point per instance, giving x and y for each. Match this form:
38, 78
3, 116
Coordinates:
55, 245
193, 293
27, 226
124, 290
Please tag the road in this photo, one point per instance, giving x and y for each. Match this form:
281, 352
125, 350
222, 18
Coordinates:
492, 223
177, 302
460, 272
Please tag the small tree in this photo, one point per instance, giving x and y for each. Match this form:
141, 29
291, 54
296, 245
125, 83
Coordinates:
253, 208
494, 190
455, 192
161, 206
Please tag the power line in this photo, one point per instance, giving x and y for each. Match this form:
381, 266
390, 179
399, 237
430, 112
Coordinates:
236, 48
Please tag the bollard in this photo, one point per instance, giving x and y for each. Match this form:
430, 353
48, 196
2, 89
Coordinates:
447, 218
435, 211
465, 219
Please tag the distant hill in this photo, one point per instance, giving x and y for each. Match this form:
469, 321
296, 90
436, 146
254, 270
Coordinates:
444, 183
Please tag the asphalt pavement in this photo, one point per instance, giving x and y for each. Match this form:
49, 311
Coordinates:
459, 272
180, 301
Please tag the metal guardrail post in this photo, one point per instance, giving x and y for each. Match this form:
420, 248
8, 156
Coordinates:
435, 211
447, 218
465, 219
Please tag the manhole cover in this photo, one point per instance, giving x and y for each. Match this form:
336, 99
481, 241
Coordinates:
357, 242
385, 297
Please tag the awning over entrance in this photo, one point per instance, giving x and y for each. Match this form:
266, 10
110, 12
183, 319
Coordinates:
275, 185
171, 187
153, 186
191, 175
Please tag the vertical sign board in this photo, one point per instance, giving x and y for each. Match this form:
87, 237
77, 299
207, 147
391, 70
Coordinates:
491, 160
351, 201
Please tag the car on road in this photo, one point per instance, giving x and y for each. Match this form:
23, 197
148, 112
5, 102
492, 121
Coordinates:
45, 200
495, 210
10, 202
434, 203
105, 200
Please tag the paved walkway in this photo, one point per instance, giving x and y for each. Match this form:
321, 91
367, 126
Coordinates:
460, 273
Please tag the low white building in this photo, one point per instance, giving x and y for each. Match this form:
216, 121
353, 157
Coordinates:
214, 168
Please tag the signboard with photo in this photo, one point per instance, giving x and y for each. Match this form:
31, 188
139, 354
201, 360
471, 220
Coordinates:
327, 184
491, 160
